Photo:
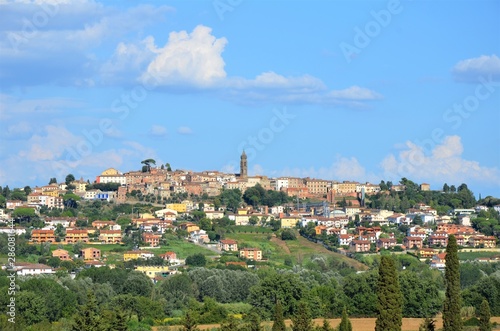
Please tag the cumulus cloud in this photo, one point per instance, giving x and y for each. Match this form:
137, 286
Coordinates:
470, 70
19, 129
45, 42
188, 58
50, 144
55, 152
12, 107
342, 168
128, 61
444, 163
193, 61
355, 93
158, 131
184, 130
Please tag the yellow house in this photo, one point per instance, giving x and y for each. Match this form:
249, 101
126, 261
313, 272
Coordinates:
289, 221
131, 255
189, 227
110, 236
242, 211
52, 193
80, 185
147, 215
153, 271
178, 207
109, 172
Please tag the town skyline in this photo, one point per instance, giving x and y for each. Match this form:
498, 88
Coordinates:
364, 91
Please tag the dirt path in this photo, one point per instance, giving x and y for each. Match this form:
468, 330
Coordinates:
358, 324
281, 243
355, 264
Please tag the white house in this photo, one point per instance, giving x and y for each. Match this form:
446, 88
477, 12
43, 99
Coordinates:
3, 215
27, 269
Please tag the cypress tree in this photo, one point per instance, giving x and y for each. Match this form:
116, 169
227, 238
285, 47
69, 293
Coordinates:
229, 325
452, 320
484, 316
88, 319
390, 298
428, 325
279, 320
253, 322
189, 323
325, 327
120, 323
345, 323
302, 320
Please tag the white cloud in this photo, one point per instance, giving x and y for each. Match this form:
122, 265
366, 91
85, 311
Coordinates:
188, 58
257, 170
184, 130
443, 164
342, 168
12, 107
158, 131
355, 93
19, 128
128, 61
193, 62
50, 145
55, 152
470, 70
60, 48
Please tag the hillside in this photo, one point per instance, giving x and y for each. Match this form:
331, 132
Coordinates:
299, 250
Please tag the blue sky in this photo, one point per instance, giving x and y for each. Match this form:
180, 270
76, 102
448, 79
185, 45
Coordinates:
342, 90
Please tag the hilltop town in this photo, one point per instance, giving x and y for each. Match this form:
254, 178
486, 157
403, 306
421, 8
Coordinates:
200, 205
142, 232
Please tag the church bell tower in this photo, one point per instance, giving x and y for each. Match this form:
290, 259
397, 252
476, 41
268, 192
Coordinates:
243, 165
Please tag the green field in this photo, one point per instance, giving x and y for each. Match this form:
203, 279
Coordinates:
300, 250
464, 255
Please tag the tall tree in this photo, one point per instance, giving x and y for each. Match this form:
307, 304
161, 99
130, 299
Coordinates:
148, 163
390, 298
53, 180
345, 323
452, 320
253, 322
484, 316
27, 190
278, 319
301, 320
428, 325
446, 188
69, 178
230, 324
88, 318
189, 323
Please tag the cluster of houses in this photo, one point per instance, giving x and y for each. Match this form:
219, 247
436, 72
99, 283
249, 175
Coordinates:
164, 183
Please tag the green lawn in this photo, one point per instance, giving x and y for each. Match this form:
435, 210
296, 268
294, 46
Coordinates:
277, 251
464, 255
182, 248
